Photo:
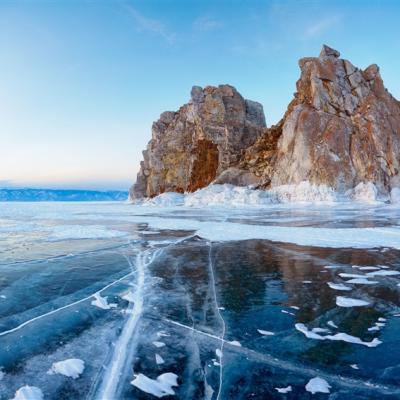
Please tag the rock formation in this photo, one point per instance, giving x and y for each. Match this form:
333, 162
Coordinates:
191, 147
342, 128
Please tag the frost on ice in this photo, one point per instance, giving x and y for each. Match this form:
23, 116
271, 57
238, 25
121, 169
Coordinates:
72, 368
349, 302
159, 387
318, 385
28, 393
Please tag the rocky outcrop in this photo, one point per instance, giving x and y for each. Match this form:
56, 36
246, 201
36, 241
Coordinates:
191, 147
341, 129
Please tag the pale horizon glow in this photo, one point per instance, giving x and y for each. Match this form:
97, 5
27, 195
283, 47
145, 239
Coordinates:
82, 82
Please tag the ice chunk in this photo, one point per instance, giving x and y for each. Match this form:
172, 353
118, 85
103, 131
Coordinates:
266, 333
159, 387
286, 389
158, 344
318, 385
332, 324
344, 337
129, 296
361, 281
338, 286
365, 192
235, 343
387, 272
72, 368
350, 302
28, 393
320, 330
159, 359
346, 275
102, 302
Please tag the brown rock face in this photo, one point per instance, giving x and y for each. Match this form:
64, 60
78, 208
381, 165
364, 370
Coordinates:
191, 147
342, 128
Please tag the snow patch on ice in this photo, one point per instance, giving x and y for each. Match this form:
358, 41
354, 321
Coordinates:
266, 333
159, 359
72, 368
286, 389
350, 302
365, 192
361, 281
28, 393
318, 385
102, 302
332, 324
235, 343
64, 232
158, 344
338, 286
386, 272
159, 387
344, 337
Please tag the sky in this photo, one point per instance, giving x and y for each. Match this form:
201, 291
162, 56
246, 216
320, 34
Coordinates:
82, 81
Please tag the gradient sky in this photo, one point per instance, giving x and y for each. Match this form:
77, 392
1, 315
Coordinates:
82, 81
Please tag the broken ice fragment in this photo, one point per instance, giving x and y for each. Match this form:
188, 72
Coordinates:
350, 302
286, 389
318, 385
266, 333
72, 368
159, 387
338, 286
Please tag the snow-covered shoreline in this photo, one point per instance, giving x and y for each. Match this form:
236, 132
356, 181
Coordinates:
303, 193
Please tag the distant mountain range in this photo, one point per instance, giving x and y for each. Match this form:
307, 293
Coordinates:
61, 195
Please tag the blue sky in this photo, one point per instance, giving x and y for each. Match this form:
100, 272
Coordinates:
82, 81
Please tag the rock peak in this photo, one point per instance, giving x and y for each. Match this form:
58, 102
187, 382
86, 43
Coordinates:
327, 51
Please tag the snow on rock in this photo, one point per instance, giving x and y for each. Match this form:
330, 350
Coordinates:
286, 389
318, 385
395, 195
168, 199
365, 192
266, 333
28, 393
159, 387
344, 337
350, 302
72, 368
338, 286
303, 192
102, 302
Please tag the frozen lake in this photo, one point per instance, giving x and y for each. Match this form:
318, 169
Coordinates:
116, 301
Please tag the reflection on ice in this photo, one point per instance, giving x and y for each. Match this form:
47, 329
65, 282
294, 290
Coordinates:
199, 304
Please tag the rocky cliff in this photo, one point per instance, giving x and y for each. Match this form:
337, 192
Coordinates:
342, 128
192, 146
